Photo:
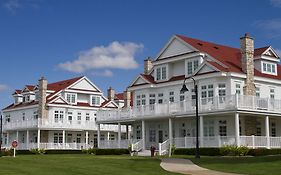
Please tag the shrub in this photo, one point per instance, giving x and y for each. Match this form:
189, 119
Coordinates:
89, 151
8, 152
264, 152
203, 151
233, 150
37, 151
112, 151
64, 152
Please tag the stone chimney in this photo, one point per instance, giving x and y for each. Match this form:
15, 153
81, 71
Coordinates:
110, 93
147, 65
247, 63
127, 98
42, 111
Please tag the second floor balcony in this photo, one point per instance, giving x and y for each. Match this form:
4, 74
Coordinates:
187, 107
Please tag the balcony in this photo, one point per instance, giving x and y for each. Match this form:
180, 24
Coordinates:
59, 124
206, 105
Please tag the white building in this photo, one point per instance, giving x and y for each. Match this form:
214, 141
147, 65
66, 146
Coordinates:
238, 89
60, 115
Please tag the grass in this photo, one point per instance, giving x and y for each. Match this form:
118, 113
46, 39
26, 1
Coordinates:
262, 165
79, 164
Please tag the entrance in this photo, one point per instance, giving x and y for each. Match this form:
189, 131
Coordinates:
160, 136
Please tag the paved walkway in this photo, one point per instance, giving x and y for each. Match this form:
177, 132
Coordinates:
185, 166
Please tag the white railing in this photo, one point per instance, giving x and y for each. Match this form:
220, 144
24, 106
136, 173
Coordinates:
164, 147
111, 144
137, 146
206, 105
69, 146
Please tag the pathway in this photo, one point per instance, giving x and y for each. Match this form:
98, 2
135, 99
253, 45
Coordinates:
185, 166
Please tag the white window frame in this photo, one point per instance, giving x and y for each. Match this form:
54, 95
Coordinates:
268, 67
193, 66
71, 95
97, 97
159, 75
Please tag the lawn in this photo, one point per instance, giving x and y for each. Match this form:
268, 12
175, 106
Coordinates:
263, 165
79, 165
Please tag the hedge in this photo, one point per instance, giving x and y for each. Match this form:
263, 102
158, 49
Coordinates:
112, 151
53, 151
264, 152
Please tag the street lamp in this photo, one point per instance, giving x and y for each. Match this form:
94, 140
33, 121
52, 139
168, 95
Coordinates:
183, 90
1, 136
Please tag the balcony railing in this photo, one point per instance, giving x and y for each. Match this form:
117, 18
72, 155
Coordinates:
52, 124
206, 105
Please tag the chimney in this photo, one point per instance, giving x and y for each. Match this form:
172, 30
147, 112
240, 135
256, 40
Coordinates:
127, 98
110, 93
42, 111
147, 65
247, 63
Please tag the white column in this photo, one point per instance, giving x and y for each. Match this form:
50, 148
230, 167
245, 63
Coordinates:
98, 135
267, 132
119, 135
63, 138
201, 126
237, 134
17, 136
170, 136
143, 133
27, 139
38, 139
87, 138
8, 144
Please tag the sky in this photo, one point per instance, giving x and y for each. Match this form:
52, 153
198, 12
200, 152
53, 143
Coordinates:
107, 41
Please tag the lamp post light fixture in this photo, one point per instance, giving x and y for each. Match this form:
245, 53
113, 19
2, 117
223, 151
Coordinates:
1, 132
183, 90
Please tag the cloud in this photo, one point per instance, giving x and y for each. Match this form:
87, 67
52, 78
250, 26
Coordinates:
276, 3
105, 73
14, 5
272, 27
118, 55
3, 87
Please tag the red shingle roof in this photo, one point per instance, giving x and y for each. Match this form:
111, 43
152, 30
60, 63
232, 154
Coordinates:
119, 96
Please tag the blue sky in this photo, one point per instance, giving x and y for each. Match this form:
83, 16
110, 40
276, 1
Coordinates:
68, 38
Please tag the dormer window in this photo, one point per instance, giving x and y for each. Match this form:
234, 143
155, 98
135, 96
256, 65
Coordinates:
269, 68
71, 98
95, 100
191, 66
161, 73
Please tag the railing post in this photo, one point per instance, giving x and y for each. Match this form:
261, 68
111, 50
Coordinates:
219, 141
253, 141
236, 101
185, 142
160, 150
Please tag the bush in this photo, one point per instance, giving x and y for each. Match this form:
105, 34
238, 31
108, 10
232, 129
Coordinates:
63, 152
90, 151
37, 151
264, 152
233, 150
112, 151
203, 151
8, 152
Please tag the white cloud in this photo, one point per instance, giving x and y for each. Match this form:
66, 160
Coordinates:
14, 5
105, 73
3, 87
276, 3
115, 55
272, 27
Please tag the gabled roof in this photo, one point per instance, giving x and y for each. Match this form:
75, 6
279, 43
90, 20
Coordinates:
60, 85
119, 96
260, 51
17, 91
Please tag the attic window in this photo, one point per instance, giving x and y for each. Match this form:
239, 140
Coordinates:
200, 44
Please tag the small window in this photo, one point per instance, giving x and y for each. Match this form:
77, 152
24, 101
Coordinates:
95, 100
272, 93
71, 98
172, 97
161, 73
269, 68
87, 117
23, 116
238, 88
258, 93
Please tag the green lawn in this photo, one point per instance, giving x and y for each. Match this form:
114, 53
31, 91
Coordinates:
79, 165
268, 165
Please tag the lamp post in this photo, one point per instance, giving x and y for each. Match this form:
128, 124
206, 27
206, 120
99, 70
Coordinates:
1, 136
184, 89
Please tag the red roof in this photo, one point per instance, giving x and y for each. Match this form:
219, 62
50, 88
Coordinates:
30, 87
119, 96
57, 86
13, 106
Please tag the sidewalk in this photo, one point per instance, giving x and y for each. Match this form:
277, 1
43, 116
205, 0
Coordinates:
185, 166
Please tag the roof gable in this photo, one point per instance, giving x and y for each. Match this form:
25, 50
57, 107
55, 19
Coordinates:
84, 84
206, 67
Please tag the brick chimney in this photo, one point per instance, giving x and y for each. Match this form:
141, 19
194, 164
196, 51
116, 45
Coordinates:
127, 98
42, 111
110, 93
147, 65
247, 63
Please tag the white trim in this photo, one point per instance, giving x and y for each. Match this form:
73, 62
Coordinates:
20, 108
136, 79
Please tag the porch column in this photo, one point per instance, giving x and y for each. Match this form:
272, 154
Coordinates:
170, 136
8, 144
63, 138
38, 139
17, 136
119, 135
267, 132
87, 138
98, 135
143, 133
237, 134
27, 139
201, 125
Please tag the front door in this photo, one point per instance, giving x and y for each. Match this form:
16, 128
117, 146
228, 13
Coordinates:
160, 136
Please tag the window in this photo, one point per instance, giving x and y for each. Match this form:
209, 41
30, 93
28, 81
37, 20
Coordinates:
152, 99
111, 137
222, 92
35, 115
238, 88
143, 100
79, 117
138, 100
152, 135
95, 100
269, 68
71, 98
258, 128
182, 97
58, 138
222, 128
207, 93
69, 116
172, 96
138, 132
161, 73
258, 93
192, 66
58, 116
8, 118
87, 117
273, 129
23, 116
209, 130
28, 98
272, 93
160, 98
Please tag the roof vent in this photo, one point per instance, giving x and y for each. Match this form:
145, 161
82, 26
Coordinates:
216, 47
200, 44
